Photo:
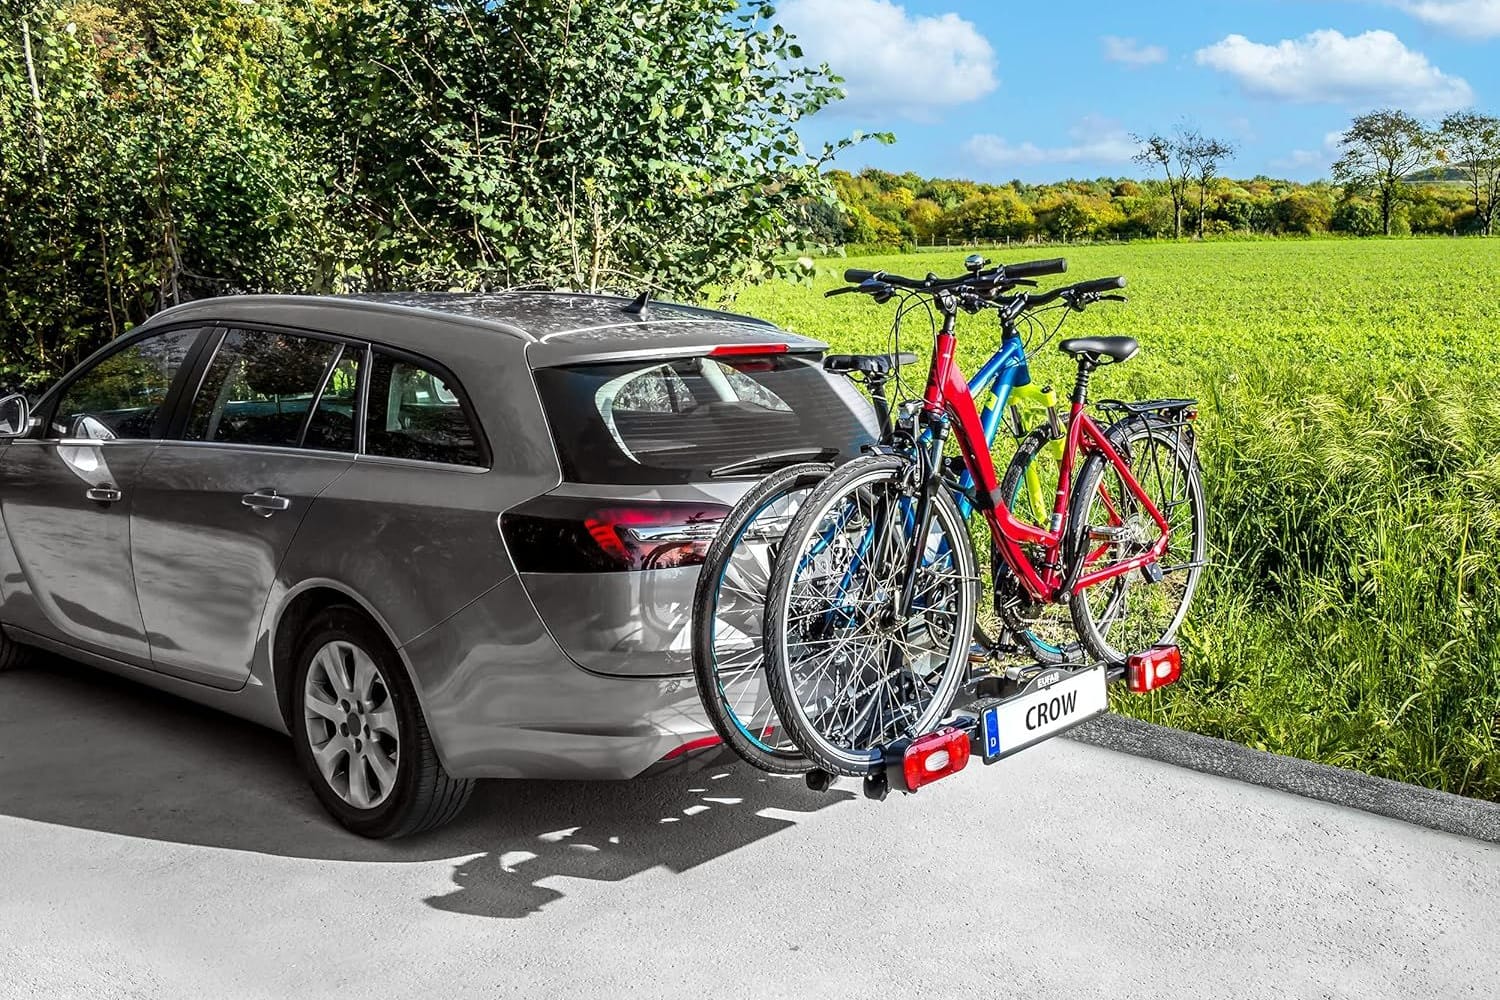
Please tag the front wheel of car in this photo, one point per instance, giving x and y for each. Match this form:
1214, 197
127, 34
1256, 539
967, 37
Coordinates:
12, 653
360, 735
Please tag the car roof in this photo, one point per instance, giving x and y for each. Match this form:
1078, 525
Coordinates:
555, 327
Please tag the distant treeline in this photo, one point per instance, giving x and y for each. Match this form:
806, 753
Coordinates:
879, 209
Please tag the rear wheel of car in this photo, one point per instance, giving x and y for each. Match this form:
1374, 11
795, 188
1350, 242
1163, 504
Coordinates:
360, 735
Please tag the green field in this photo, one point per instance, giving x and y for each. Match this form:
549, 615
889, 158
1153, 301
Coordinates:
1350, 436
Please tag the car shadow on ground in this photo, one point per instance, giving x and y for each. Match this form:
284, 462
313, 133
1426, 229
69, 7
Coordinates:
84, 749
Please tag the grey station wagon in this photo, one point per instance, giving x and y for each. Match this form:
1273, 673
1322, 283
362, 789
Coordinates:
433, 537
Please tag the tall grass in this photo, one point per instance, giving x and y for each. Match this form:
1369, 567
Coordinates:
1350, 437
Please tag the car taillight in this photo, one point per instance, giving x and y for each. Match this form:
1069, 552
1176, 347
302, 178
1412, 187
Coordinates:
1153, 668
934, 756
553, 534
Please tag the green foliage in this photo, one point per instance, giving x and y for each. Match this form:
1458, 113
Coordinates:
172, 149
1350, 436
967, 212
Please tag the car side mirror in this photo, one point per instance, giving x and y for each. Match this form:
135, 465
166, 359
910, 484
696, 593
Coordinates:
87, 428
15, 416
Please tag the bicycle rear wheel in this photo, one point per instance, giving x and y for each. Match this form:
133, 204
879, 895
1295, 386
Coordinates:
846, 676
1147, 606
728, 619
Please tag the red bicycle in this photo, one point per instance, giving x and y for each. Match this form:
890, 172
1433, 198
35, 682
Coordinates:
872, 601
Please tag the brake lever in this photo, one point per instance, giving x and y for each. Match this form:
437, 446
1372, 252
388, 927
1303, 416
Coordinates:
840, 291
1113, 298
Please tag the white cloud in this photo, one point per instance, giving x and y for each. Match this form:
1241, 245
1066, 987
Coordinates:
1300, 159
1094, 140
893, 62
1131, 52
1473, 18
1327, 67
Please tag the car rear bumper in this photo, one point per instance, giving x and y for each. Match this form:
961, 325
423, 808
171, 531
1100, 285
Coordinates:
502, 699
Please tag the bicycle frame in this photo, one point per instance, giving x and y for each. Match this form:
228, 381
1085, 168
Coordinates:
948, 397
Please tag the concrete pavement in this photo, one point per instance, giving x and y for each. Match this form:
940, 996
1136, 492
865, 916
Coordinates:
149, 848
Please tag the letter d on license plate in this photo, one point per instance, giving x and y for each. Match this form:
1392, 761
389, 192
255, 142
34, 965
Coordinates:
1032, 717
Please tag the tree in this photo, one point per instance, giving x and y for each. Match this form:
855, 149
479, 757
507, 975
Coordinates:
1169, 153
153, 151
997, 216
1378, 151
1471, 142
1203, 156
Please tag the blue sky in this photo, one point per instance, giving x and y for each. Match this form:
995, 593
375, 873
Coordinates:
993, 90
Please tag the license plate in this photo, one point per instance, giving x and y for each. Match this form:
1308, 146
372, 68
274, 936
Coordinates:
1029, 718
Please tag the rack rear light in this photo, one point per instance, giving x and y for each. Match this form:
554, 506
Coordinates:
1152, 669
934, 756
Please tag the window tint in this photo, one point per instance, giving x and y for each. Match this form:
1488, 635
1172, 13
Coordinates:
414, 413
259, 388
332, 425
648, 422
121, 396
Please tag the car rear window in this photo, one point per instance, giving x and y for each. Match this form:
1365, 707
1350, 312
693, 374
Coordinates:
651, 421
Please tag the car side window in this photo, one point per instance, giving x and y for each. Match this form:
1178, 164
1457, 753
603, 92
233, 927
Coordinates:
415, 413
122, 395
260, 388
332, 425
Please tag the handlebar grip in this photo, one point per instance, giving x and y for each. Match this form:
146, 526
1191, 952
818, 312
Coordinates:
1036, 268
855, 275
1100, 285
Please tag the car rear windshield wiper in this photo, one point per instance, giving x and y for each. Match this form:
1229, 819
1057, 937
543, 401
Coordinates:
774, 460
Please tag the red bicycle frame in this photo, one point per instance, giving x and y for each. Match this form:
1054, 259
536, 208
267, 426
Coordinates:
948, 395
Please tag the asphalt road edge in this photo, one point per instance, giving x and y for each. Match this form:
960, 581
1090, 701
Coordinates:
1409, 803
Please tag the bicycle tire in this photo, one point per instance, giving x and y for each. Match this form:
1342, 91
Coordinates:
812, 732
1133, 439
733, 561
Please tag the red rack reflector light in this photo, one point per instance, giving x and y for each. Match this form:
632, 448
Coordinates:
934, 756
1153, 668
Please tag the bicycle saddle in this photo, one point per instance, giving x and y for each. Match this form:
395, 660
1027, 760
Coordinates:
1094, 349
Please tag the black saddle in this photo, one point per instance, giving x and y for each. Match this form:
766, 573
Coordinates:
1095, 349
878, 365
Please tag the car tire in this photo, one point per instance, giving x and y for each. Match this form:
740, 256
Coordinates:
12, 653
360, 735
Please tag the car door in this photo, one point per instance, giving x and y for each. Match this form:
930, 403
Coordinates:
66, 495
270, 425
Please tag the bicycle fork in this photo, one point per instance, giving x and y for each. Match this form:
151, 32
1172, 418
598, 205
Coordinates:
931, 479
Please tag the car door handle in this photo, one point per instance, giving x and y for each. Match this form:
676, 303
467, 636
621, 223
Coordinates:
265, 502
103, 494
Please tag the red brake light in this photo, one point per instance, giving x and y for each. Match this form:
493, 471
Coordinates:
1153, 668
934, 756
740, 350
554, 534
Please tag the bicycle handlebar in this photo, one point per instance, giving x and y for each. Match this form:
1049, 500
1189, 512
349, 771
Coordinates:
1035, 268
932, 283
1097, 286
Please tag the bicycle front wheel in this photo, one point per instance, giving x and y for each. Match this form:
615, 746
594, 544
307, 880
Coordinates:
848, 675
728, 617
